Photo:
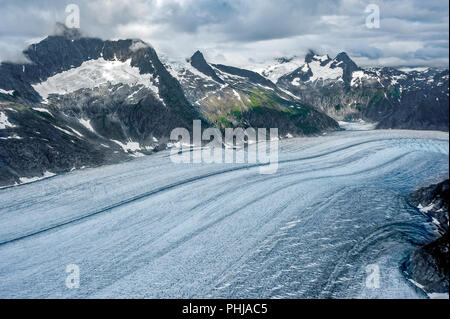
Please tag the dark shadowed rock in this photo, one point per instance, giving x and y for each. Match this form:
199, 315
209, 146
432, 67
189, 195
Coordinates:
250, 75
198, 61
429, 265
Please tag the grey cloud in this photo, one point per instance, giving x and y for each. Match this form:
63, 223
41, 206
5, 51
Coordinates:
412, 32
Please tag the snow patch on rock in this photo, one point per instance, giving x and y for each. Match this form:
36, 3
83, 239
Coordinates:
11, 92
92, 74
324, 72
4, 123
87, 124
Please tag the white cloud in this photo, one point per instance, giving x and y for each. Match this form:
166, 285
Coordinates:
413, 32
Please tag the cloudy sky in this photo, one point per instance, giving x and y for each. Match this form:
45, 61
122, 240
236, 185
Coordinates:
242, 32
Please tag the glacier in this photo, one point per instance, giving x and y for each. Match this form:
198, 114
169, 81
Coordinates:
93, 73
150, 228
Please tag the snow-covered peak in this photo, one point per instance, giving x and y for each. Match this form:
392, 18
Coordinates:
310, 69
318, 68
278, 67
182, 69
311, 56
322, 58
324, 72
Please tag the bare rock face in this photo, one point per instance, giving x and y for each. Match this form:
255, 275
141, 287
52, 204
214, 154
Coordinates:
428, 265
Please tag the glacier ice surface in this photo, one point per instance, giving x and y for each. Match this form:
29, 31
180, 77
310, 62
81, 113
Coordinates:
152, 228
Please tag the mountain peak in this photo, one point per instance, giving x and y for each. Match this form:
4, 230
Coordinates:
198, 61
198, 56
347, 64
343, 57
310, 56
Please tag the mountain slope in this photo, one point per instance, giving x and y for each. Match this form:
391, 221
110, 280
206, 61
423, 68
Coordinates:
387, 96
232, 97
87, 102
104, 100
278, 67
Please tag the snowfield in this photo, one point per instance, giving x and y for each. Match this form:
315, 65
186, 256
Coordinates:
151, 228
93, 73
324, 72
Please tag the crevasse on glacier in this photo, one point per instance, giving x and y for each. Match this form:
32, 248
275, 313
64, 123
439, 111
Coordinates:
152, 228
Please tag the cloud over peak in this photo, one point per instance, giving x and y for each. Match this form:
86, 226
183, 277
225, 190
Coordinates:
411, 33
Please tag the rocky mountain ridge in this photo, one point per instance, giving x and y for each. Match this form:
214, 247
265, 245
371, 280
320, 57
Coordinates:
84, 102
386, 96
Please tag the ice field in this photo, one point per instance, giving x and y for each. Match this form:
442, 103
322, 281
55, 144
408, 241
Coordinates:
151, 228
